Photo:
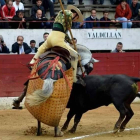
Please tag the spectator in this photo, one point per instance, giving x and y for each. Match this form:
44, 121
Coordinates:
2, 2
45, 36
8, 10
123, 13
118, 2
77, 25
38, 6
92, 18
49, 25
137, 18
21, 47
3, 47
56, 2
18, 5
96, 2
81, 2
19, 17
2, 25
105, 18
129, 2
118, 48
135, 6
38, 17
70, 2
113, 2
48, 4
32, 46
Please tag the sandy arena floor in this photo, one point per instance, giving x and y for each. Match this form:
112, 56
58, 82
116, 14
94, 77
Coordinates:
20, 125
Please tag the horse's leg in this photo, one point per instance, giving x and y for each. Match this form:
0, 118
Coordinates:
121, 108
17, 102
39, 131
76, 121
69, 117
129, 113
58, 132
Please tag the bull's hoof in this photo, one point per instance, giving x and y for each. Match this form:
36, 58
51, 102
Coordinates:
115, 130
64, 128
122, 129
72, 130
58, 132
16, 105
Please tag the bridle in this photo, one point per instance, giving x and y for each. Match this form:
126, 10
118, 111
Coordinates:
87, 66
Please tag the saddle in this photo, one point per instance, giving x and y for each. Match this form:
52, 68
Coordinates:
53, 63
57, 51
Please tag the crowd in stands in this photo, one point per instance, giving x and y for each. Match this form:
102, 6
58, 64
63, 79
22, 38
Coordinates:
126, 12
21, 47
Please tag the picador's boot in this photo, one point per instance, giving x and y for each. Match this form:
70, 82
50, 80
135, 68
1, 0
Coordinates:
80, 81
17, 102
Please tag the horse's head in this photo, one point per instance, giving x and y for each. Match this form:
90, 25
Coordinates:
87, 61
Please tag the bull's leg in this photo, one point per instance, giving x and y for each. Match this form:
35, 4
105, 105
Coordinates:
39, 131
17, 102
58, 132
76, 121
129, 113
122, 111
69, 117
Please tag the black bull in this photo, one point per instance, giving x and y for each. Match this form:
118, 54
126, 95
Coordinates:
120, 90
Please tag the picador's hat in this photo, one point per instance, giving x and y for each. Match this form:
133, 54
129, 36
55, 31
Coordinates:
71, 7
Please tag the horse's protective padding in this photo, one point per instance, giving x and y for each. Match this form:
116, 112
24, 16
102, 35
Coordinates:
50, 112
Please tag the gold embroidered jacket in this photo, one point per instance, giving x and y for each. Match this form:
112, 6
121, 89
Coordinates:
65, 23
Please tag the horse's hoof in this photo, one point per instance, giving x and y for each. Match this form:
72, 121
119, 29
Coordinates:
39, 133
72, 131
16, 105
59, 134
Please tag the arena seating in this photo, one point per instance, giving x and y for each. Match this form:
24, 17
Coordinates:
86, 8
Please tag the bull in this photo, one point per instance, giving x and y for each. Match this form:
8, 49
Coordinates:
120, 90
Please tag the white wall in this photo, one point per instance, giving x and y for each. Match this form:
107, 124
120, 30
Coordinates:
130, 38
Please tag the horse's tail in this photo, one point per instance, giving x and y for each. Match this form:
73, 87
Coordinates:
41, 95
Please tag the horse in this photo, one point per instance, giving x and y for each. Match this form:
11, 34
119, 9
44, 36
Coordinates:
51, 67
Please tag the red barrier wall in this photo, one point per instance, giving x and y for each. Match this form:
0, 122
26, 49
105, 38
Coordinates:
13, 72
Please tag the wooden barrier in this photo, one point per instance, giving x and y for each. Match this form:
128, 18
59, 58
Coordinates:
13, 72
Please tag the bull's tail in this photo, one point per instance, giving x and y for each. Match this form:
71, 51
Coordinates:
135, 79
41, 95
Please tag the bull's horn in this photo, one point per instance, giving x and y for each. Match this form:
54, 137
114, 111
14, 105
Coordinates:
95, 60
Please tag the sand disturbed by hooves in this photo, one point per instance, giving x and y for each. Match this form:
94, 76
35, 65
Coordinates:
21, 125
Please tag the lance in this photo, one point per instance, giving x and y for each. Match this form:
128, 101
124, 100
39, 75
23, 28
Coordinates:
75, 48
